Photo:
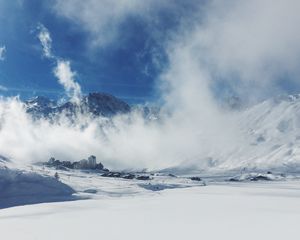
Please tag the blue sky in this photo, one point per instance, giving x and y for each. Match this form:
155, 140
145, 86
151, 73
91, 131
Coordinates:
124, 67
121, 47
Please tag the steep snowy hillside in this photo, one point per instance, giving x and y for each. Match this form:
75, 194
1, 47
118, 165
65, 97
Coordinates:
272, 136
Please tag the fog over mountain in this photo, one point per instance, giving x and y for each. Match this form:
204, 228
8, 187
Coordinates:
156, 119
214, 84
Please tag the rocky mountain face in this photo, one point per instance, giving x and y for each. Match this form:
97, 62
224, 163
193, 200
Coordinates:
40, 106
97, 104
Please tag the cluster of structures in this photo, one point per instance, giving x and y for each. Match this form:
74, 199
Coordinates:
91, 164
84, 164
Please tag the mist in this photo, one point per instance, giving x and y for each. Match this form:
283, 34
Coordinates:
238, 43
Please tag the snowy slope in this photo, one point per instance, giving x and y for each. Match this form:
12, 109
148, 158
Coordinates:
257, 211
21, 187
272, 136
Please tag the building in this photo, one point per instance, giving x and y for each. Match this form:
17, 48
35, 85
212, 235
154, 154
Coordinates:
92, 163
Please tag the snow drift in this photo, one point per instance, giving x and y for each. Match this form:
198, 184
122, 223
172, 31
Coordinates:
20, 188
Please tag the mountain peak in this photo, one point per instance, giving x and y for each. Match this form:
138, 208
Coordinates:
98, 104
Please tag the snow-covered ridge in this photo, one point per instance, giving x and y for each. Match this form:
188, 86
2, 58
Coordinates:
96, 104
272, 133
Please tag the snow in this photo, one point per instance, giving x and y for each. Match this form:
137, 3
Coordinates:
271, 137
221, 211
251, 192
165, 207
21, 187
87, 182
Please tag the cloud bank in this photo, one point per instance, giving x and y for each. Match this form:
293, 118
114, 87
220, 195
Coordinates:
189, 119
250, 45
246, 45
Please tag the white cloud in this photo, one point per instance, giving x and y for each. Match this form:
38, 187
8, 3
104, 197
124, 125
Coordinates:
2, 88
2, 53
102, 18
62, 70
195, 128
66, 76
255, 41
2, 58
45, 40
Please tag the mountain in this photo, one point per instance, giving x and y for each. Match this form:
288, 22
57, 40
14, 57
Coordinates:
271, 136
40, 106
263, 136
148, 112
97, 104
